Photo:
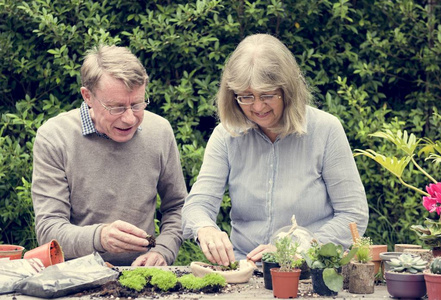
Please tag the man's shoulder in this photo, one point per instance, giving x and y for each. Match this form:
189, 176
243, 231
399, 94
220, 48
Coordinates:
65, 120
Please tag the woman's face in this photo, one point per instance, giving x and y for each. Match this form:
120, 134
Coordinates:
266, 113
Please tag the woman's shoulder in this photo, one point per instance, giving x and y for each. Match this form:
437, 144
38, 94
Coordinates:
320, 118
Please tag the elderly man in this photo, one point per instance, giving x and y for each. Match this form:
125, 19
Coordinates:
98, 169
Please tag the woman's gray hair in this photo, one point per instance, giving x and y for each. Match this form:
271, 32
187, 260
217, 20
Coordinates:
118, 62
263, 63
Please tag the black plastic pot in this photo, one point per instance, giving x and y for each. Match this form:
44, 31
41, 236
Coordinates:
267, 280
319, 285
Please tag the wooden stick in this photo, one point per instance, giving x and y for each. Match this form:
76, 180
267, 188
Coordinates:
354, 231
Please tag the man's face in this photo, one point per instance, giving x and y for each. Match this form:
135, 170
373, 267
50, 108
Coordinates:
111, 93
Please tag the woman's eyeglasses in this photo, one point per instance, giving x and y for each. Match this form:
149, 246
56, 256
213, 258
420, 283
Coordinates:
248, 100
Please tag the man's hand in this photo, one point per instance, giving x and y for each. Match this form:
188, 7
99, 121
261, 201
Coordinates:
151, 258
120, 236
256, 254
216, 246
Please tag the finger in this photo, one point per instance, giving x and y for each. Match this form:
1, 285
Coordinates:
130, 229
206, 248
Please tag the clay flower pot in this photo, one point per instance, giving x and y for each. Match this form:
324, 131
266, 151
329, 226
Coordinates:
402, 247
433, 285
285, 284
11, 251
267, 278
375, 251
405, 285
241, 275
49, 253
361, 278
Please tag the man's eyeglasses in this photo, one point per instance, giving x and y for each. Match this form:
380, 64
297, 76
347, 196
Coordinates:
119, 110
248, 100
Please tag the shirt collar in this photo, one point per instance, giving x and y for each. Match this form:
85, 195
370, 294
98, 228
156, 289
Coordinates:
87, 126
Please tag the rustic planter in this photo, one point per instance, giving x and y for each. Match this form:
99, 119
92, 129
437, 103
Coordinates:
425, 254
361, 278
405, 285
433, 285
267, 278
318, 285
285, 284
402, 247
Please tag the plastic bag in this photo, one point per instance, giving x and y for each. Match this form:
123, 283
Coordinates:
298, 234
12, 271
69, 277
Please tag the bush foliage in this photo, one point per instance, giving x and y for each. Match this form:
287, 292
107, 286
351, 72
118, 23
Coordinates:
372, 63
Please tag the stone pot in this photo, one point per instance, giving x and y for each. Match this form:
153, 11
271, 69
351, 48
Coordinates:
285, 284
318, 284
361, 278
405, 285
433, 285
267, 279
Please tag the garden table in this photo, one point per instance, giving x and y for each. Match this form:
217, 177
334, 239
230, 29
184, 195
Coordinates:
253, 289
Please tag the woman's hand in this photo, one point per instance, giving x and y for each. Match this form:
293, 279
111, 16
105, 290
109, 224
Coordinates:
256, 254
216, 246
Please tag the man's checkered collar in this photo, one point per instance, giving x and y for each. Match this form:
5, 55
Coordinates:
87, 126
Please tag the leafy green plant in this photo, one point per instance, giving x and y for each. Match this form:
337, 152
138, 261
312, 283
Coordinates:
407, 263
363, 254
269, 257
286, 254
408, 145
329, 257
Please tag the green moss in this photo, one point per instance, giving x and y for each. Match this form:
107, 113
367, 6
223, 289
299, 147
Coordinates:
191, 282
138, 278
214, 279
133, 281
164, 280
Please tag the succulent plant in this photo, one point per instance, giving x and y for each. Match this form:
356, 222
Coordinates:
435, 266
407, 263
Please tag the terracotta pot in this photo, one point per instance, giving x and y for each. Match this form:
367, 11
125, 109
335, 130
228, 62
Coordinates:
285, 284
318, 285
49, 253
361, 278
375, 254
433, 285
267, 279
405, 285
11, 251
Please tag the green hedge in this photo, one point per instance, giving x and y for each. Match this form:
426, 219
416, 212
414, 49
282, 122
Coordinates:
371, 63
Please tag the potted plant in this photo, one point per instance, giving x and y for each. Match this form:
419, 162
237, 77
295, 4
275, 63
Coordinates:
405, 278
269, 261
361, 269
430, 232
432, 276
325, 262
285, 279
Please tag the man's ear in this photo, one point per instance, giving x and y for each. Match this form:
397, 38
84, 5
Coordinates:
87, 95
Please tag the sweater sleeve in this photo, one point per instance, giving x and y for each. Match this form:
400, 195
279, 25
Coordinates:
50, 196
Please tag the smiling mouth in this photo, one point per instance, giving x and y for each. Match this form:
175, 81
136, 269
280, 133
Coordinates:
260, 115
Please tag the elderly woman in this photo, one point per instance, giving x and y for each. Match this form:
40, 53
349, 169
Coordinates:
277, 155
